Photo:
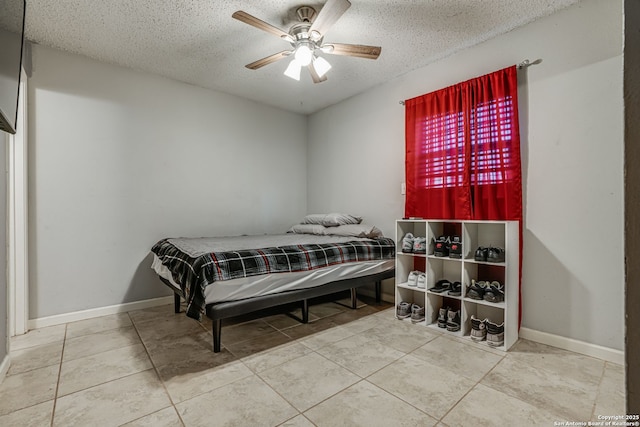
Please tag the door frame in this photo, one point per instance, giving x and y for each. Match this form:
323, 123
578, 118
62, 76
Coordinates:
17, 220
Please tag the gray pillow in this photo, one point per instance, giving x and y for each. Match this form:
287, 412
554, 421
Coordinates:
332, 219
354, 230
308, 229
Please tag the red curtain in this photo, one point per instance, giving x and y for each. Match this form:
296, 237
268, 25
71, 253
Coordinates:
463, 151
436, 177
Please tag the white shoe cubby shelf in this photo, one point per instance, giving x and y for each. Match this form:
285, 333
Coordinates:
474, 234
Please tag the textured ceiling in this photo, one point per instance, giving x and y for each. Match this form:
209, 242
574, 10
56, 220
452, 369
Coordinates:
197, 41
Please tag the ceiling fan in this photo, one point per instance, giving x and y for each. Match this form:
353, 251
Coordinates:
307, 40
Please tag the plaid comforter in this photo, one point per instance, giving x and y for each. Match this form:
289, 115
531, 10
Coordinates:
194, 274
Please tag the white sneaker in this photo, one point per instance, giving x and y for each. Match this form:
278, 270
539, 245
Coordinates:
412, 280
422, 281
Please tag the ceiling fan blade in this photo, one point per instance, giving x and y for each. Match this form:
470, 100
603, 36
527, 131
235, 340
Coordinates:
314, 74
259, 24
329, 14
357, 50
268, 60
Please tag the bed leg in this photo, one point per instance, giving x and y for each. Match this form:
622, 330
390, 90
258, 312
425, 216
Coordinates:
354, 299
217, 331
305, 311
378, 291
176, 303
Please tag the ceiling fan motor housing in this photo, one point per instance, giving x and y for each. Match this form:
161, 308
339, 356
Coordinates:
306, 14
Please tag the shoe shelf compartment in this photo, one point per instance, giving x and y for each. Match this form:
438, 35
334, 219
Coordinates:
491, 313
483, 272
414, 296
437, 301
473, 234
442, 269
417, 228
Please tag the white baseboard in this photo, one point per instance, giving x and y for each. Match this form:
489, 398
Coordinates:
593, 350
60, 319
4, 367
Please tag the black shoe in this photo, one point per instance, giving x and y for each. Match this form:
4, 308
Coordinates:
476, 290
453, 320
441, 286
455, 247
494, 292
456, 289
442, 317
442, 246
495, 255
495, 333
478, 329
481, 254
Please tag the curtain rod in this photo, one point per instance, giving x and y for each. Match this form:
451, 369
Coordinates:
524, 64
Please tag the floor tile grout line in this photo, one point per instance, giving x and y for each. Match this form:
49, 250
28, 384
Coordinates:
155, 368
242, 359
513, 396
360, 379
458, 402
84, 334
238, 359
595, 401
400, 398
512, 356
455, 373
396, 396
355, 373
55, 395
504, 357
161, 409
463, 376
278, 393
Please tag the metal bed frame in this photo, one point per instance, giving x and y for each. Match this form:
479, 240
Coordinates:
222, 310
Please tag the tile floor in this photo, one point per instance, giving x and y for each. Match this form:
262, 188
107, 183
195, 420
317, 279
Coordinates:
345, 368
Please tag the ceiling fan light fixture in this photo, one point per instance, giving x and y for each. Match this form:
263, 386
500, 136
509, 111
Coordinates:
304, 54
321, 65
293, 70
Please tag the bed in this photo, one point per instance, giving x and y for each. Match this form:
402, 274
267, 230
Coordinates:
223, 277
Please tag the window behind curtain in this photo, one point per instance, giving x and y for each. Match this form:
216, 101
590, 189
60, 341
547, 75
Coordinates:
444, 150
491, 163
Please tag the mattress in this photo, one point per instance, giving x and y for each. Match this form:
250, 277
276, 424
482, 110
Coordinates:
247, 287
212, 270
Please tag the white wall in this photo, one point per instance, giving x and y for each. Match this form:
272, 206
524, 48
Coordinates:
572, 147
120, 159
